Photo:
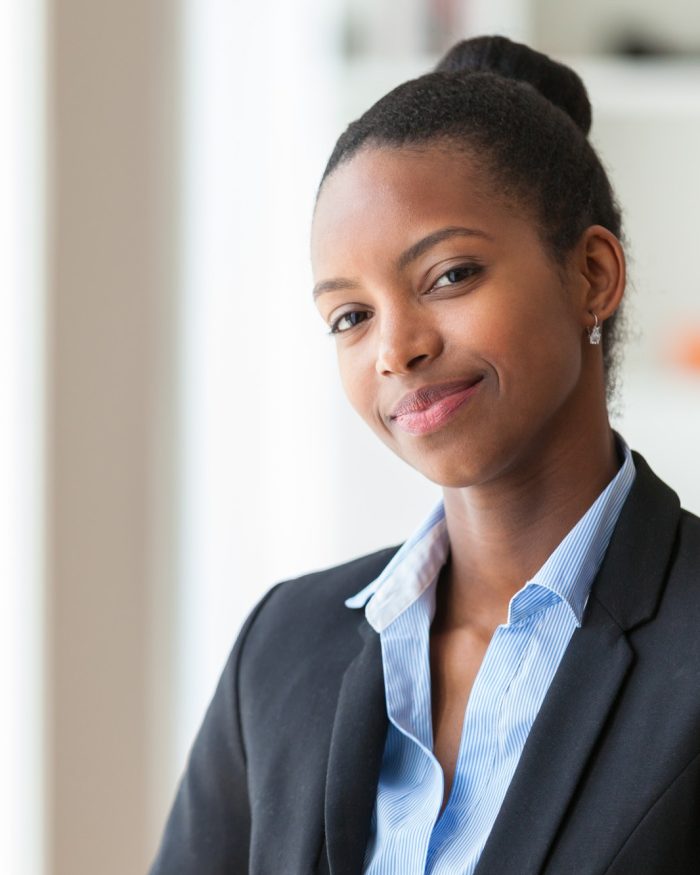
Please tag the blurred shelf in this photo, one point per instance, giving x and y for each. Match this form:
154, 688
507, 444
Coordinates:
617, 86
640, 87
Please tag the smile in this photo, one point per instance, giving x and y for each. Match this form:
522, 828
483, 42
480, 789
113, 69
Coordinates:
429, 408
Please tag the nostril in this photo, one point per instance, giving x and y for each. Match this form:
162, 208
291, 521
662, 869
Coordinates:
403, 348
416, 360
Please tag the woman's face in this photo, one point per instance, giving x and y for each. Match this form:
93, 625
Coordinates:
460, 342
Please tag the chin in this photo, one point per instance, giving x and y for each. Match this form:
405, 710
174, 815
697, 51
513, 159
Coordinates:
457, 463
449, 470
451, 478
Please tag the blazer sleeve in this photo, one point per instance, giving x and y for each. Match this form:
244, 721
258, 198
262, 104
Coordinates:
208, 829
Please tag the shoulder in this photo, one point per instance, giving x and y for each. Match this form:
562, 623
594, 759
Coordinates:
655, 537
683, 586
307, 615
275, 704
690, 525
687, 557
322, 594
291, 656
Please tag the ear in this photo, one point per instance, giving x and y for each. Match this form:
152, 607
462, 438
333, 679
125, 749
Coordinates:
600, 266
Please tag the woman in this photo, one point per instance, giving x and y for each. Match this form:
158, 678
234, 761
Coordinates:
515, 690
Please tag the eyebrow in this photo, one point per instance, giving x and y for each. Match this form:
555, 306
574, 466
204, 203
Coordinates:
411, 254
424, 244
336, 285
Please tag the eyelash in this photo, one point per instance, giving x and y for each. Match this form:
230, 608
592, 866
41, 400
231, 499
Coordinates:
334, 324
472, 270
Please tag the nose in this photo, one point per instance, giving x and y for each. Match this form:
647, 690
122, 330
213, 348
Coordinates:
407, 340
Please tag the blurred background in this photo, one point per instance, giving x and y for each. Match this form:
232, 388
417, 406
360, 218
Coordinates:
175, 439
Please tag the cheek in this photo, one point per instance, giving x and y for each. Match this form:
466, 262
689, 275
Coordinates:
529, 343
357, 378
539, 363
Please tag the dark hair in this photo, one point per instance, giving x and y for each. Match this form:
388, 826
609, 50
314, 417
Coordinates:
526, 117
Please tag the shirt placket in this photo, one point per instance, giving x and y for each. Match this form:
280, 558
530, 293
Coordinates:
480, 749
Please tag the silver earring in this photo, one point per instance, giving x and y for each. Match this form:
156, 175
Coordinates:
595, 333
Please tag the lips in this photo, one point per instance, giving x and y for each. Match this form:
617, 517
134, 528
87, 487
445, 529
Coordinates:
429, 408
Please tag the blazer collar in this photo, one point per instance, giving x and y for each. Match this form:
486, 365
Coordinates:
590, 677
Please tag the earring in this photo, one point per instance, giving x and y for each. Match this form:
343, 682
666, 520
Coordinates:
595, 333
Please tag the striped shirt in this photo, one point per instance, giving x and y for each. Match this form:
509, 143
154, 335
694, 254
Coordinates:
408, 835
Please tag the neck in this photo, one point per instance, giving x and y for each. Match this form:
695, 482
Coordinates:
502, 532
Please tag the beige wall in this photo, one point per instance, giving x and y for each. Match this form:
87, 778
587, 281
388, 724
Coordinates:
111, 322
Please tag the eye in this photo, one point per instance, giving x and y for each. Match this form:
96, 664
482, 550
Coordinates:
456, 275
348, 320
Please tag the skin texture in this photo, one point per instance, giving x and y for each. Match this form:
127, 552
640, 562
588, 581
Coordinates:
529, 451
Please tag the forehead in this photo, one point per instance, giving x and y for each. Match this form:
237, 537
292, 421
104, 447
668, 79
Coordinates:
382, 196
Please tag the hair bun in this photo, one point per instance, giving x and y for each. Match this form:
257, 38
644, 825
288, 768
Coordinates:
497, 54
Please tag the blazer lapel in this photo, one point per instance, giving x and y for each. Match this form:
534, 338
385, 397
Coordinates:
357, 744
588, 682
572, 715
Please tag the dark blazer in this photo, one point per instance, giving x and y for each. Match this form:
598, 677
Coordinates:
283, 774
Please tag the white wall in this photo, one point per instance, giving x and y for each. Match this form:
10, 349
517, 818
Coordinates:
22, 206
259, 86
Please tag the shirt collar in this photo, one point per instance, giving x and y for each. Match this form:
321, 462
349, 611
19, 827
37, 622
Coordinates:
411, 571
569, 571
566, 575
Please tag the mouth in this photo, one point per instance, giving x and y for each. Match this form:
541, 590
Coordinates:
428, 409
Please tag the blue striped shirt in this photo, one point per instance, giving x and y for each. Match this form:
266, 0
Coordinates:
408, 835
